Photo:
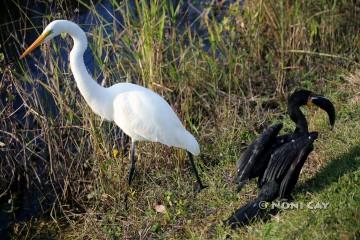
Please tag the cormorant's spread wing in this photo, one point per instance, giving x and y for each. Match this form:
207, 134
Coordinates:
283, 157
292, 175
254, 153
286, 162
279, 162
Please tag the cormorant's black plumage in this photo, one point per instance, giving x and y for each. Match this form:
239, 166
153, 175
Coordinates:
286, 162
256, 157
253, 209
277, 160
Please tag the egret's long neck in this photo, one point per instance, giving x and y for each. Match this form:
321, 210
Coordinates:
95, 95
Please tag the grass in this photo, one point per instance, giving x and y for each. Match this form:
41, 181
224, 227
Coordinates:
227, 80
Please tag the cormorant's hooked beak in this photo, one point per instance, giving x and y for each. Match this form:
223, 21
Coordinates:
35, 44
325, 104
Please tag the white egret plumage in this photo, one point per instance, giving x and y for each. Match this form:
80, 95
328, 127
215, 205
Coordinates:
141, 113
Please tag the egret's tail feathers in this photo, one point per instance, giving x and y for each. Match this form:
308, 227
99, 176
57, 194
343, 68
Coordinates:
189, 143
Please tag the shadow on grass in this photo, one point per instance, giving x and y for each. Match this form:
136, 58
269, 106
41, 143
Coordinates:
337, 167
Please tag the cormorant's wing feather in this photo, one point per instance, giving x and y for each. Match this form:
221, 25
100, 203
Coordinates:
288, 154
304, 148
277, 162
281, 160
253, 154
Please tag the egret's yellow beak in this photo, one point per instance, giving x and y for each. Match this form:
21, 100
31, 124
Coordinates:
35, 44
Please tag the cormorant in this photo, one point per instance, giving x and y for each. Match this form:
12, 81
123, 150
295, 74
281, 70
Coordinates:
277, 160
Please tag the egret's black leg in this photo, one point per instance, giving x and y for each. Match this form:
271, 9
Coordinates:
133, 161
131, 170
200, 186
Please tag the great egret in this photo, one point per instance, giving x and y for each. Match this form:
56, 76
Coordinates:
278, 160
141, 113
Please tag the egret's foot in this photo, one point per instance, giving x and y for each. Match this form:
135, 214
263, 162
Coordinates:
200, 187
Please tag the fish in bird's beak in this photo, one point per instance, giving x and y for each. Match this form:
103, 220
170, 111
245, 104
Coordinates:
35, 44
325, 104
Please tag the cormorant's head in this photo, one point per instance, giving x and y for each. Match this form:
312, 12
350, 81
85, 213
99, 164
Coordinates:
305, 97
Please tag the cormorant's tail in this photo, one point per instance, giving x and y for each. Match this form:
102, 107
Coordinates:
256, 208
245, 214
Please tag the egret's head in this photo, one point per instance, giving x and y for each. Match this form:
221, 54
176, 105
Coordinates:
52, 30
304, 97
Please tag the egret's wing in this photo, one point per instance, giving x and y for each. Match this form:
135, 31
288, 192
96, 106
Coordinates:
148, 116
